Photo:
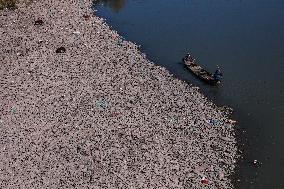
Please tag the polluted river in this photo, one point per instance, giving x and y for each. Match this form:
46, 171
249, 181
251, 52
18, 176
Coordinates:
245, 39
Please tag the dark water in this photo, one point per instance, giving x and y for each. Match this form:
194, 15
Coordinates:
246, 39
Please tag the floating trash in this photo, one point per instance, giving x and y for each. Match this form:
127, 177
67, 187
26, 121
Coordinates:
119, 43
221, 175
60, 50
86, 17
81, 2
142, 74
102, 104
76, 33
215, 122
14, 110
174, 120
256, 163
114, 114
204, 180
230, 121
226, 109
39, 22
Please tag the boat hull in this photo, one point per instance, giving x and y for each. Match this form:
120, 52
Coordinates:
200, 72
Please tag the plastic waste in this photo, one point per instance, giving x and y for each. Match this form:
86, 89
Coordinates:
60, 50
39, 22
204, 180
14, 110
76, 33
256, 163
215, 122
87, 17
232, 121
102, 103
174, 120
221, 175
114, 114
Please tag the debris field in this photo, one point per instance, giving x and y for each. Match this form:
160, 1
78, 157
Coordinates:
82, 108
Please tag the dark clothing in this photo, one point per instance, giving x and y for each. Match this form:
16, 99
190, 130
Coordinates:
218, 75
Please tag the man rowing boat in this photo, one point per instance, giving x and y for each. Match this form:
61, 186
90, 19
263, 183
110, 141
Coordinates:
190, 58
218, 75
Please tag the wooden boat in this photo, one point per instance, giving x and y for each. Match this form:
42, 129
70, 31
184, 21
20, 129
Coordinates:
199, 71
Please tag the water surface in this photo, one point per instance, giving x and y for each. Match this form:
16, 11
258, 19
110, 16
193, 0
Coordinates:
246, 39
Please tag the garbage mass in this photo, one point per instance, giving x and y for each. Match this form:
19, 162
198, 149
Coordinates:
100, 115
60, 50
39, 22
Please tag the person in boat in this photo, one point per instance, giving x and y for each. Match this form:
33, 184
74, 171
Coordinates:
218, 74
189, 58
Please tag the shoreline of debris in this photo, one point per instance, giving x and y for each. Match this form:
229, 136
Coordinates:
80, 107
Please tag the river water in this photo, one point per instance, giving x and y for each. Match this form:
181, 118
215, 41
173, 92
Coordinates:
246, 39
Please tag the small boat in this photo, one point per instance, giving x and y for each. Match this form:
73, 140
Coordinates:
199, 71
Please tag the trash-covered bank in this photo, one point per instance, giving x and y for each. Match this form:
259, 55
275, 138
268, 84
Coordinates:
80, 107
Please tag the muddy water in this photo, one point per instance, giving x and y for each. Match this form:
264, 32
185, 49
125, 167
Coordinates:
246, 39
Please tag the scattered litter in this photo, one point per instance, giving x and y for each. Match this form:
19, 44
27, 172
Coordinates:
87, 17
226, 109
39, 22
174, 120
76, 33
114, 114
14, 110
221, 175
60, 50
230, 121
102, 103
256, 163
215, 122
195, 88
204, 180
102, 73
119, 43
